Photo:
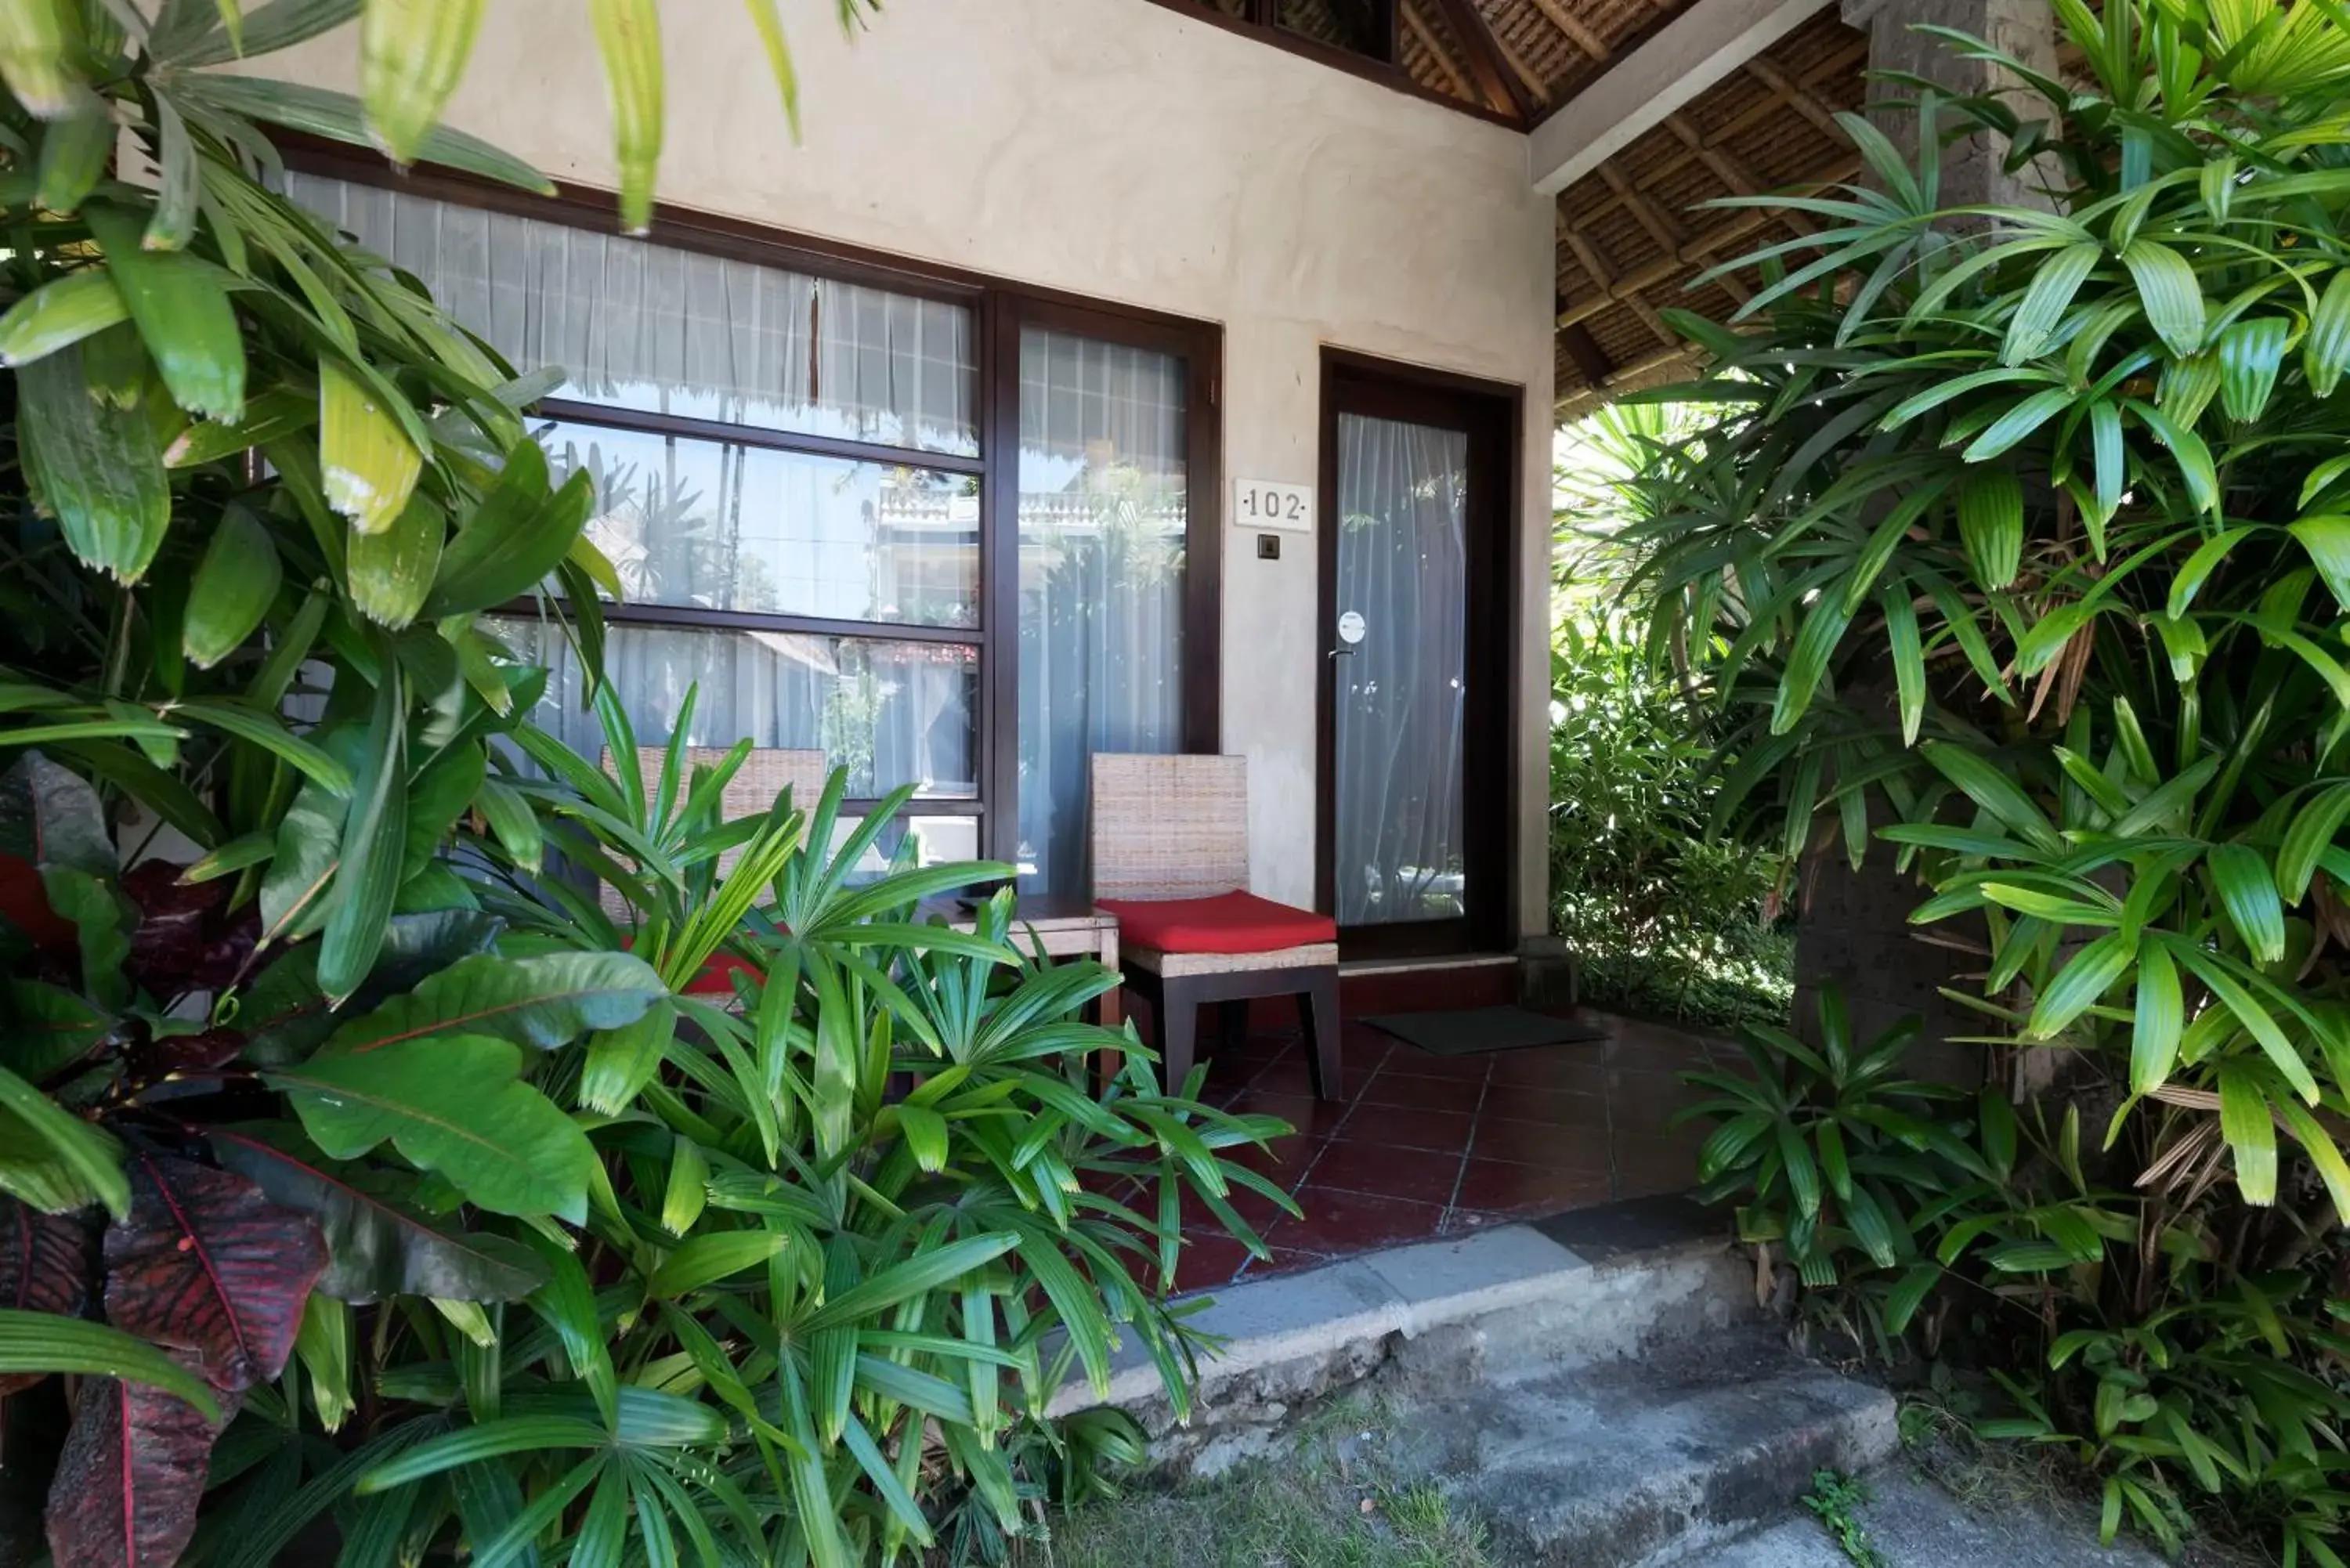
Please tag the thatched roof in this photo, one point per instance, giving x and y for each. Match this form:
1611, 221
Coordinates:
1634, 232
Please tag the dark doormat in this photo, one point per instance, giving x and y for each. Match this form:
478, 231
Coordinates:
1469, 1031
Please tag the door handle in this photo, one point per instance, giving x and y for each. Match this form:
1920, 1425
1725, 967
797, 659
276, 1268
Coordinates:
1340, 653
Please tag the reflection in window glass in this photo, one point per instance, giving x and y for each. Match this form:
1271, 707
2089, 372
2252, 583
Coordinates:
642, 326
936, 841
1102, 519
1358, 27
889, 712
721, 526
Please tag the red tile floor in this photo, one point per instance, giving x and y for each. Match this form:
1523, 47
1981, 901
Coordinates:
1426, 1146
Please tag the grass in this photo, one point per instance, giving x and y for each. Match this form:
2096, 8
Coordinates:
1832, 1500
1324, 1501
2002, 1480
1723, 979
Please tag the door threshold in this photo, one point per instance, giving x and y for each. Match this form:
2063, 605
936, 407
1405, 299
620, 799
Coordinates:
1425, 965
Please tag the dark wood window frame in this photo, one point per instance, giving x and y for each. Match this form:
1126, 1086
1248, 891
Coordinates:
1267, 14
1257, 23
1000, 310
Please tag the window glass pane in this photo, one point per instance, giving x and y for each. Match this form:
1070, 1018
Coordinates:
1402, 697
1102, 517
937, 840
642, 326
1360, 27
723, 526
889, 712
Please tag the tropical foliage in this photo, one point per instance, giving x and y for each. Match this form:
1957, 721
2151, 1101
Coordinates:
2023, 536
1663, 917
355, 1165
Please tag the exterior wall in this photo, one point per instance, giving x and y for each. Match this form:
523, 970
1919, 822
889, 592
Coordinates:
1117, 149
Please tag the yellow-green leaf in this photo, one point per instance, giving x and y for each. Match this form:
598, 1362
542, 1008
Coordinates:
629, 34
2169, 290
61, 312
390, 572
1990, 524
2326, 537
2250, 351
180, 304
93, 466
235, 585
2160, 1016
412, 52
2250, 1135
2326, 349
38, 39
74, 151
366, 462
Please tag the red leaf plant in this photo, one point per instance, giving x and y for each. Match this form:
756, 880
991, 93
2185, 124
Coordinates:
210, 1270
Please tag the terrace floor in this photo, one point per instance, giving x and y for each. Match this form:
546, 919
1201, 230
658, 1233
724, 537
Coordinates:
1426, 1146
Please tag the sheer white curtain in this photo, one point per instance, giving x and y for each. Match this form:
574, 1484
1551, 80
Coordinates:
719, 525
1102, 516
889, 712
715, 524
1403, 568
643, 325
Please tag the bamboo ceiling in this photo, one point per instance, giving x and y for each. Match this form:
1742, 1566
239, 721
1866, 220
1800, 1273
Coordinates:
1634, 232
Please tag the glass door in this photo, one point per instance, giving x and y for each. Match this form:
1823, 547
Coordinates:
1415, 645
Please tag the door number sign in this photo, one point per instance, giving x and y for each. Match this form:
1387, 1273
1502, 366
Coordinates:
1269, 503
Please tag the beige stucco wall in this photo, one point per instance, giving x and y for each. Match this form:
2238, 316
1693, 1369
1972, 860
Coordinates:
1117, 149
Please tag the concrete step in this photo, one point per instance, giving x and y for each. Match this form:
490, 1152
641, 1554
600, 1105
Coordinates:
1913, 1523
1504, 1304
1600, 1388
1638, 1463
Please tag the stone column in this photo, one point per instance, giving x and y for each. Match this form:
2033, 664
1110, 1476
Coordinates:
1853, 929
2025, 29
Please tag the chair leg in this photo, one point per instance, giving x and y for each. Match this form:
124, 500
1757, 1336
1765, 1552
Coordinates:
1179, 1029
1318, 1007
1231, 1023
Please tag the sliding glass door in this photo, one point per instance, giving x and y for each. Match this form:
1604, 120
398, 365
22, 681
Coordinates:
1104, 518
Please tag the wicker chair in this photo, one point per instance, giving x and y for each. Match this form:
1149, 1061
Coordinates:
764, 775
1170, 861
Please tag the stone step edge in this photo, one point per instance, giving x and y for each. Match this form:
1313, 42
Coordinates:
1715, 1497
1409, 1290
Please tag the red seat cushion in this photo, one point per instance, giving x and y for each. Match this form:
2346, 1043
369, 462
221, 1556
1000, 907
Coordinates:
1227, 923
717, 974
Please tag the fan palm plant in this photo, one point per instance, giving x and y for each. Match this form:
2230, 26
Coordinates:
2020, 543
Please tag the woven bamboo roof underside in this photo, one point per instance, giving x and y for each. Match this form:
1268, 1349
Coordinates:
1634, 232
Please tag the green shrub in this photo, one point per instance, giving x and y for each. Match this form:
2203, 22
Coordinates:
1664, 919
416, 1197
2018, 546
250, 475
1829, 1152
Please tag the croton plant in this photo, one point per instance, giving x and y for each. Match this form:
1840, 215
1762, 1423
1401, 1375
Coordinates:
261, 1057
222, 1182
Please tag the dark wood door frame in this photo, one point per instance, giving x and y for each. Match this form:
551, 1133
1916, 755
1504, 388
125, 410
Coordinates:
1494, 415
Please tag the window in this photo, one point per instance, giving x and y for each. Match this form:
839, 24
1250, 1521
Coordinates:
1365, 27
942, 531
